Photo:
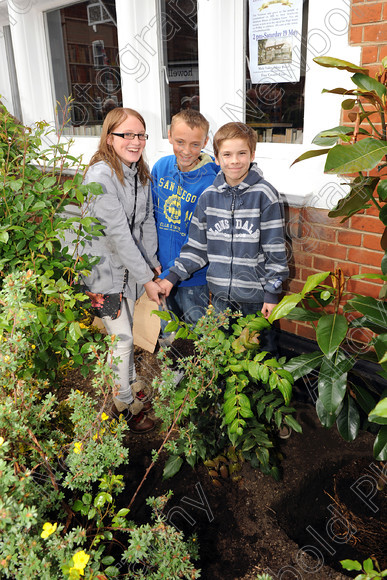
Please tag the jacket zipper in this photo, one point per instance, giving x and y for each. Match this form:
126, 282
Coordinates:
232, 242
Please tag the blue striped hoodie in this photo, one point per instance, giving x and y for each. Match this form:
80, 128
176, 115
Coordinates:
239, 232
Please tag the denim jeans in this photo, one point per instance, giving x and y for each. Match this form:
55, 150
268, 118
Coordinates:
268, 338
189, 303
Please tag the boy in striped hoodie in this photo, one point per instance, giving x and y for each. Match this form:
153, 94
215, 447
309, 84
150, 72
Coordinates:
237, 229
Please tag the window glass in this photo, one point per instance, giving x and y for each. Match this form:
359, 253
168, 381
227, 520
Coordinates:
85, 65
179, 57
276, 45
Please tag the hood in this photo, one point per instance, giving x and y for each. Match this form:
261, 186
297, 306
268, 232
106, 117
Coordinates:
253, 177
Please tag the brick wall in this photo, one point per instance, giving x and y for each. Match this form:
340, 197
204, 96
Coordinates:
318, 243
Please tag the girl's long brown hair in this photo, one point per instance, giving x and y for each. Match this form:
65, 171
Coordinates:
105, 152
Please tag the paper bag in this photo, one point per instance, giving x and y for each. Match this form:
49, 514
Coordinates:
146, 326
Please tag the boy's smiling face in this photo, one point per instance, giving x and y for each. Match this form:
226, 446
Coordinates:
187, 144
234, 158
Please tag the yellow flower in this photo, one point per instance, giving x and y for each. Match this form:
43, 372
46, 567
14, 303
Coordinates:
77, 447
81, 325
33, 346
1, 441
80, 560
104, 417
48, 529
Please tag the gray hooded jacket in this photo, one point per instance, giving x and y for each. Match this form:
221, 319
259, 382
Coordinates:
120, 248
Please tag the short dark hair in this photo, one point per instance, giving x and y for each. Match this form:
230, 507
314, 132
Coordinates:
235, 130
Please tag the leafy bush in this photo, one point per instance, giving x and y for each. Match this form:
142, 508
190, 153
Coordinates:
232, 393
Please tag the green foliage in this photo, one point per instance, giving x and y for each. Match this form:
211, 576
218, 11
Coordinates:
59, 453
232, 393
339, 401
370, 569
34, 234
349, 154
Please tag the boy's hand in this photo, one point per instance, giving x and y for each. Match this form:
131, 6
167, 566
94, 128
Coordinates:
165, 286
153, 290
267, 309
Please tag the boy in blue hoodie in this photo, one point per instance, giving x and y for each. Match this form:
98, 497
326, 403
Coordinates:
178, 182
238, 230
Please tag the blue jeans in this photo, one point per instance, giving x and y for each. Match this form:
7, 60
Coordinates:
188, 303
268, 338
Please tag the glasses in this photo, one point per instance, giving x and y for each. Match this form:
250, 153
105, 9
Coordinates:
131, 136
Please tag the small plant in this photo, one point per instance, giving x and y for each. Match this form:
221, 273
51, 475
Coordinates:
367, 569
232, 393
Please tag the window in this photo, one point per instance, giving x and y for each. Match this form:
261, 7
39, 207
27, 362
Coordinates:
85, 65
275, 70
179, 56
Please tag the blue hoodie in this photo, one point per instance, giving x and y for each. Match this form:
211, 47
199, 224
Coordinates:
175, 195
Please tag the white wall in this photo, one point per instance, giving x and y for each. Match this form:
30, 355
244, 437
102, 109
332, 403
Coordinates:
221, 33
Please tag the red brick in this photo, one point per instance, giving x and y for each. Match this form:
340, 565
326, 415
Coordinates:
349, 238
384, 17
359, 335
320, 216
331, 251
372, 242
365, 269
365, 257
295, 286
365, 288
369, 54
372, 210
367, 224
306, 331
383, 47
375, 32
303, 259
366, 13
323, 264
288, 325
323, 233
356, 35
350, 269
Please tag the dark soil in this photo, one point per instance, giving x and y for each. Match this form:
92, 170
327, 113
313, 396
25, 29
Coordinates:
325, 508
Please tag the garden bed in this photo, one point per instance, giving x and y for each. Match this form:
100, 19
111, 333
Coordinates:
290, 527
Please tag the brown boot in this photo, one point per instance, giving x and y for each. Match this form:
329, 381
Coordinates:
140, 423
141, 392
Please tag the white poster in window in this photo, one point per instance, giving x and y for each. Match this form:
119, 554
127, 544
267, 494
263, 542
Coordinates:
275, 32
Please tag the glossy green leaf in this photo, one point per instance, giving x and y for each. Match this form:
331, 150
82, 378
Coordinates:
310, 154
302, 365
380, 445
285, 388
331, 62
363, 155
285, 306
332, 385
375, 310
313, 281
293, 423
367, 83
351, 564
348, 420
382, 190
364, 398
330, 333
172, 466
380, 345
384, 263
326, 419
358, 198
330, 136
379, 413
